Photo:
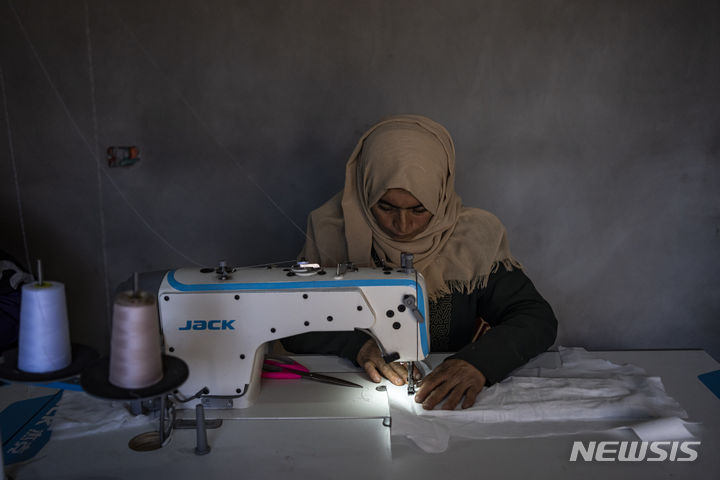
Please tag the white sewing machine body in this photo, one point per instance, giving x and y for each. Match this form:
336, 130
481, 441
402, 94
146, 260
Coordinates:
220, 323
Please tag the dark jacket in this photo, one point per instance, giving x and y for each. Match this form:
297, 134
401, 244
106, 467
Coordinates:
522, 323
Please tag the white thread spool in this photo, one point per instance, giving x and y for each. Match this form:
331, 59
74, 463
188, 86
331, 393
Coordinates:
44, 338
135, 349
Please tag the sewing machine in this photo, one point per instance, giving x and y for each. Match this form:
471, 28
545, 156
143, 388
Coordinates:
220, 320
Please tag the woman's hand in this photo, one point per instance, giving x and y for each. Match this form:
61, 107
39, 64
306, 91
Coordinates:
370, 358
451, 380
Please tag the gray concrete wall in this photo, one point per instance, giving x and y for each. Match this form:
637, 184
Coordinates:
591, 128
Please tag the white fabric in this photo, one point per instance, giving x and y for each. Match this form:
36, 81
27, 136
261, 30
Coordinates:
583, 394
79, 414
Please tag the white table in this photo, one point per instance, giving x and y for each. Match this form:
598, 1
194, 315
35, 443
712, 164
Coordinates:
301, 429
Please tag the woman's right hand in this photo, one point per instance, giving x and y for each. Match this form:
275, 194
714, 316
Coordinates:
370, 358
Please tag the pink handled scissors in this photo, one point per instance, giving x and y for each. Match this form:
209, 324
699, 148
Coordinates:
284, 368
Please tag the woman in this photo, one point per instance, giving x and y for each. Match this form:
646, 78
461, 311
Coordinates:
399, 196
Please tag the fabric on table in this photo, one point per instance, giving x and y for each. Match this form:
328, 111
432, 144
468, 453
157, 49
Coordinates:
582, 394
79, 414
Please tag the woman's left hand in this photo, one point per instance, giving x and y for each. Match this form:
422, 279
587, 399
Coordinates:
451, 380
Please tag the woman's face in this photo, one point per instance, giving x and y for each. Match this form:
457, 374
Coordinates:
400, 215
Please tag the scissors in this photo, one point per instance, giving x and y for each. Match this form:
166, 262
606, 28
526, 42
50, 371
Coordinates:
283, 367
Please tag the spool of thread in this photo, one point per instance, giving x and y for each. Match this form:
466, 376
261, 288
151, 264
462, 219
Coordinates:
44, 337
135, 349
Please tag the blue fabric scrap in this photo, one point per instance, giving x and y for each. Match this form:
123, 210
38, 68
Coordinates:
711, 381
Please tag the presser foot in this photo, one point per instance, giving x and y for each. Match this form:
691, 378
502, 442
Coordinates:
411, 382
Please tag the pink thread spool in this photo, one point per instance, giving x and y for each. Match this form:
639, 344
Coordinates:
135, 348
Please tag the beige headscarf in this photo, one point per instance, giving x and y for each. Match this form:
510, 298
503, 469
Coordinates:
459, 248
